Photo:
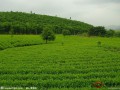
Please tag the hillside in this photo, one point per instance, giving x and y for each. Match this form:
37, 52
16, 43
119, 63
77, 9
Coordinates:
31, 23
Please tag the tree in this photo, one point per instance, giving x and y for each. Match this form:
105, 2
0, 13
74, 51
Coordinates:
11, 32
48, 34
117, 34
97, 31
110, 33
66, 32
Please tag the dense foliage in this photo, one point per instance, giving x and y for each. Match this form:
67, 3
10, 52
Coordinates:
31, 23
97, 31
110, 33
66, 32
117, 34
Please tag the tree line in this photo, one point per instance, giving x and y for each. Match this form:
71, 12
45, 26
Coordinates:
101, 31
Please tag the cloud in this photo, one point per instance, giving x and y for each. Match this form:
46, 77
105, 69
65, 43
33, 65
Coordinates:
105, 1
91, 2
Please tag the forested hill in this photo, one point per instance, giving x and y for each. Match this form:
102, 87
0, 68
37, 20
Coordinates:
30, 23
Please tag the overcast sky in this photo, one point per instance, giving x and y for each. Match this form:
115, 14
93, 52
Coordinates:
95, 12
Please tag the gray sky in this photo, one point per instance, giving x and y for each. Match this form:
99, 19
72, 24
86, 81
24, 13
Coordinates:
95, 12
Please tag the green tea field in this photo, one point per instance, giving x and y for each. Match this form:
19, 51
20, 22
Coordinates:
68, 63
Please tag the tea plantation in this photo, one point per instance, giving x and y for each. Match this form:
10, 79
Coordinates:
68, 63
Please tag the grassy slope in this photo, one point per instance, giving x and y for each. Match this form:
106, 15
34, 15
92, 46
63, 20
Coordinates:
77, 63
